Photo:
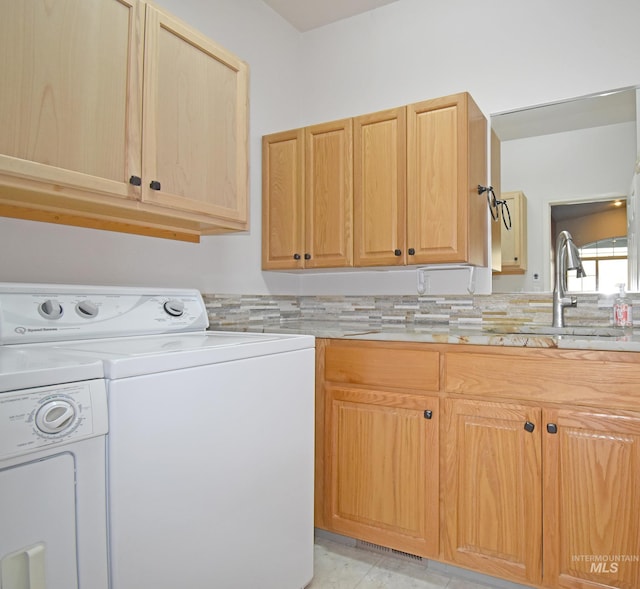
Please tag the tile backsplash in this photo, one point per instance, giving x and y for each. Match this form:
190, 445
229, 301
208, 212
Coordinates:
455, 311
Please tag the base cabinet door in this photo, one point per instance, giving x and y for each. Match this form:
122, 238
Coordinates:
492, 488
591, 499
382, 467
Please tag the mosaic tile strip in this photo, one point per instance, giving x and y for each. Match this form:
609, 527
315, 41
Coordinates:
466, 312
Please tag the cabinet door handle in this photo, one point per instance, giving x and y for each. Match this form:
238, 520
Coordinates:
296, 256
552, 428
397, 252
428, 414
529, 426
154, 185
135, 181
411, 251
307, 256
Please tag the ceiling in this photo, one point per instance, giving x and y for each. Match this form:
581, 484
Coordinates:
596, 110
305, 15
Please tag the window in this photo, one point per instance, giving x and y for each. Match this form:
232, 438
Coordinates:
605, 263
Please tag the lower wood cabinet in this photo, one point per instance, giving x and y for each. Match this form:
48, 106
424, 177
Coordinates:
382, 467
380, 434
591, 517
422, 449
492, 489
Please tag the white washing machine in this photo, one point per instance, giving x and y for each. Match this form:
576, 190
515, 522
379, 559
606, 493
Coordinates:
53, 421
211, 438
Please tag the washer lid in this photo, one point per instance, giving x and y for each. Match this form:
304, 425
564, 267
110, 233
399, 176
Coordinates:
133, 356
23, 367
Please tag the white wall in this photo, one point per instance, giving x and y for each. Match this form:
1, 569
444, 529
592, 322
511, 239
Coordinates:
507, 54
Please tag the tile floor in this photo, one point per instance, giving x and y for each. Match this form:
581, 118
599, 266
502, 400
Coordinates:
342, 566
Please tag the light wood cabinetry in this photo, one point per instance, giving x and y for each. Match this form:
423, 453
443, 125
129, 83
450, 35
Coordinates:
76, 149
381, 438
591, 498
380, 162
447, 221
514, 241
194, 141
589, 435
414, 177
307, 197
283, 200
492, 488
539, 473
329, 195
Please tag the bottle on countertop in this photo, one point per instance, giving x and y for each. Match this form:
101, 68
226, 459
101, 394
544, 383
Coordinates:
622, 316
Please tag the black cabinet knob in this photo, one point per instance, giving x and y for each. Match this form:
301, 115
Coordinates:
296, 256
154, 185
428, 414
411, 251
135, 181
307, 256
552, 428
529, 426
397, 252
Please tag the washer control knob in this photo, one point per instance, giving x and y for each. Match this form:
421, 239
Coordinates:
174, 307
87, 309
55, 416
51, 309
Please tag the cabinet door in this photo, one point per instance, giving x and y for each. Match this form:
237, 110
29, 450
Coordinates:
379, 185
382, 468
446, 160
195, 122
70, 104
514, 241
283, 200
592, 499
492, 488
329, 195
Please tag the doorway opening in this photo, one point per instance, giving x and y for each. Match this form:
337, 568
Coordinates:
599, 230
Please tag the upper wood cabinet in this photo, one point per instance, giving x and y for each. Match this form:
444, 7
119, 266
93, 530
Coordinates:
77, 149
514, 240
414, 177
283, 200
447, 221
194, 141
307, 197
379, 185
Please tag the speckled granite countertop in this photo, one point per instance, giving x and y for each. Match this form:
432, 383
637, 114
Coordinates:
579, 337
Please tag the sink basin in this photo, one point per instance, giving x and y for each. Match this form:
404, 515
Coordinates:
577, 330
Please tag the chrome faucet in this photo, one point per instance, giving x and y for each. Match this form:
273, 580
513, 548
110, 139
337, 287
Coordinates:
567, 258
